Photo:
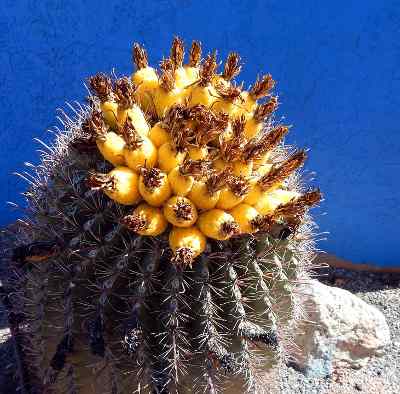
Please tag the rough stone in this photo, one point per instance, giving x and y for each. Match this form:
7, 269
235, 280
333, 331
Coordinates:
342, 331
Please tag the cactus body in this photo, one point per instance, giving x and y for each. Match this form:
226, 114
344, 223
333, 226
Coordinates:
114, 300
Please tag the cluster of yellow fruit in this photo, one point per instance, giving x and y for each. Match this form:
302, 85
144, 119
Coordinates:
190, 148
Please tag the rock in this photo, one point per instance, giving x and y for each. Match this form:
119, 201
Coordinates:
343, 331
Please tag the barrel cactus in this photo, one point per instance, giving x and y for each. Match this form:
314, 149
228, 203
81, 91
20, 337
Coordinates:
165, 236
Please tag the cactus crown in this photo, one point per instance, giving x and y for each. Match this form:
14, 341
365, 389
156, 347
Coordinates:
115, 291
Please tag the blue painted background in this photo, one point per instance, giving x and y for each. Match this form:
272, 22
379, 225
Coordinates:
337, 64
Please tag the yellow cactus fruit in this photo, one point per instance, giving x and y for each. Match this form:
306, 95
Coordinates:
139, 121
228, 199
167, 94
247, 105
110, 110
203, 95
192, 68
154, 186
159, 135
205, 194
124, 92
197, 152
246, 217
146, 220
190, 73
177, 55
112, 146
284, 196
254, 193
163, 99
234, 193
268, 202
261, 170
203, 92
144, 154
169, 157
139, 151
137, 118
180, 184
180, 211
201, 196
261, 161
145, 78
231, 151
228, 98
255, 124
252, 128
101, 85
260, 89
217, 224
120, 184
186, 243
241, 168
220, 164
182, 178
232, 69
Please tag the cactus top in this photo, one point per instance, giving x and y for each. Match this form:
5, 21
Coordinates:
191, 149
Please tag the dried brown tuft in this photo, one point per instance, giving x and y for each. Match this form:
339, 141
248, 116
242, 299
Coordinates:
262, 87
152, 177
195, 54
262, 223
183, 210
238, 126
139, 56
239, 185
177, 52
229, 228
134, 222
256, 148
228, 92
208, 68
232, 66
293, 211
218, 180
265, 110
98, 181
281, 172
195, 168
124, 91
183, 257
209, 124
132, 138
167, 79
174, 116
180, 136
232, 149
101, 85
94, 126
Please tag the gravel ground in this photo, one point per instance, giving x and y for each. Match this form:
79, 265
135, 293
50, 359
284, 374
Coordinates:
380, 376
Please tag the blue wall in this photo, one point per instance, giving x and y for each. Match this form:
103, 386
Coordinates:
337, 64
